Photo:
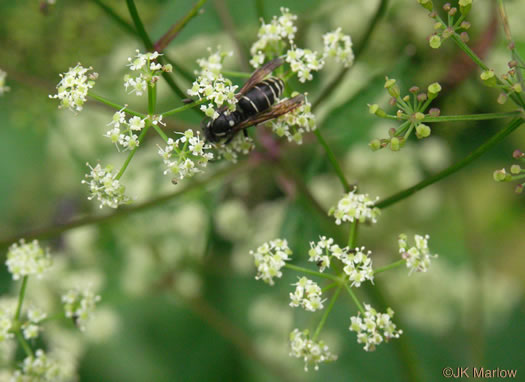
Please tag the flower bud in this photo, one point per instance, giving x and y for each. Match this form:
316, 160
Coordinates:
446, 7
435, 41
465, 25
502, 98
392, 88
375, 144
515, 169
391, 132
500, 175
464, 37
452, 11
422, 97
448, 32
427, 4
419, 116
464, 6
489, 78
395, 144
413, 89
517, 154
422, 131
406, 98
433, 90
375, 109
434, 112
517, 88
519, 189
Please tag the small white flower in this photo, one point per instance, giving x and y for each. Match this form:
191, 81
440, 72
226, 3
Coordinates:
185, 156
338, 46
271, 37
295, 123
105, 187
304, 62
312, 352
41, 368
6, 323
148, 72
36, 315
3, 87
79, 305
24, 259
417, 257
30, 331
355, 207
239, 145
358, 266
136, 123
374, 327
307, 294
270, 258
73, 88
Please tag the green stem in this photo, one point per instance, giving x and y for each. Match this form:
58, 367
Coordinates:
311, 273
132, 152
141, 31
352, 237
23, 343
472, 117
161, 133
356, 300
259, 6
152, 99
326, 313
114, 105
389, 266
185, 107
163, 42
333, 161
21, 296
328, 287
119, 20
495, 139
55, 230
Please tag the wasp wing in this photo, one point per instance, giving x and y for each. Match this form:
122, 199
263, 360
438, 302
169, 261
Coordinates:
259, 75
275, 111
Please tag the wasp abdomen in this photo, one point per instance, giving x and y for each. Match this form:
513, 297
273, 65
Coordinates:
262, 96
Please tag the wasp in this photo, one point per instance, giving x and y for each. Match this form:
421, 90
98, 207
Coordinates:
255, 105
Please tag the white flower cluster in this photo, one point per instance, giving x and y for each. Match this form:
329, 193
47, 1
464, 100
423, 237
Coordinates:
3, 87
185, 156
79, 305
148, 71
6, 323
74, 86
357, 263
312, 352
355, 207
303, 62
358, 266
213, 86
277, 38
30, 328
295, 123
374, 327
122, 132
270, 258
417, 257
239, 145
271, 37
24, 259
40, 368
104, 186
307, 295
339, 46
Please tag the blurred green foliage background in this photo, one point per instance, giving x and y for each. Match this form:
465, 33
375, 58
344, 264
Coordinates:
179, 298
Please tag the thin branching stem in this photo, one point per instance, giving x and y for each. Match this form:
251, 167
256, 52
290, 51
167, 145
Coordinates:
498, 137
333, 161
389, 266
115, 17
311, 273
21, 296
115, 106
462, 118
327, 312
355, 299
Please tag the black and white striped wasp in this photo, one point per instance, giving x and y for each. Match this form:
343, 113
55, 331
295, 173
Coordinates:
255, 105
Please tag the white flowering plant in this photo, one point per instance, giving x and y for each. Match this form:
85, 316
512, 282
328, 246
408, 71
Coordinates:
237, 172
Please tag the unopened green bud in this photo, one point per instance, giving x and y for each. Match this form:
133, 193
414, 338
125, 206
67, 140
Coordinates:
392, 87
515, 169
489, 78
517, 154
435, 41
502, 98
448, 32
465, 25
419, 116
376, 110
517, 88
422, 131
464, 37
434, 112
464, 6
427, 4
433, 90
375, 144
168, 68
500, 175
519, 189
395, 144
